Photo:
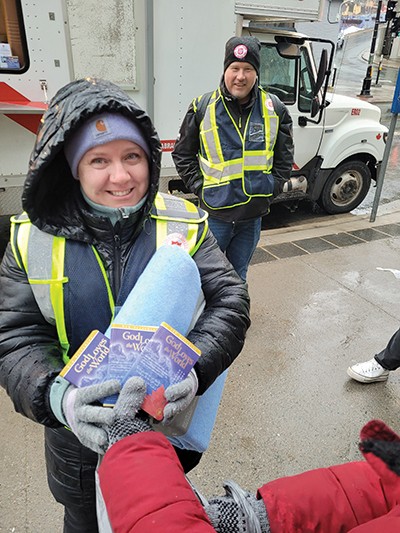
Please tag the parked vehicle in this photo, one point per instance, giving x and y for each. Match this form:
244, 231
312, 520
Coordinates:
163, 56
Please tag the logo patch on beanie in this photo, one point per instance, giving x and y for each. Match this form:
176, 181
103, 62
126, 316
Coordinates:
100, 128
100, 125
240, 51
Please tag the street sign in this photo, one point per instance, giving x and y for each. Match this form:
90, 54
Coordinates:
396, 99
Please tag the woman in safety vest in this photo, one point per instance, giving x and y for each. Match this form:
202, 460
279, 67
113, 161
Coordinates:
92, 221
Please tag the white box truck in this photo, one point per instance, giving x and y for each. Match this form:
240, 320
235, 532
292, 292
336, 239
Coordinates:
166, 52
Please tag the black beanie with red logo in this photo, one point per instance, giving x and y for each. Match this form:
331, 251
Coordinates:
244, 49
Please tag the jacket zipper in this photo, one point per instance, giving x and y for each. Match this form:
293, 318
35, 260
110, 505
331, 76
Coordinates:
117, 263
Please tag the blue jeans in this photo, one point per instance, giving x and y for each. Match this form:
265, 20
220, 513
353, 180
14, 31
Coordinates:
238, 240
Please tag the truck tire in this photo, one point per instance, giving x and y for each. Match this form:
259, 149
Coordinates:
346, 187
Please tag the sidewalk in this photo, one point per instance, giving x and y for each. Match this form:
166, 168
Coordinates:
384, 91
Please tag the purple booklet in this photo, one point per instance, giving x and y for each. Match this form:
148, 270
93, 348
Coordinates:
126, 345
167, 359
161, 356
88, 365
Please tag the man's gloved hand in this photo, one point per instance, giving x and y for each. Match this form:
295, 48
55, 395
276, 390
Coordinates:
179, 396
298, 183
89, 422
126, 422
238, 511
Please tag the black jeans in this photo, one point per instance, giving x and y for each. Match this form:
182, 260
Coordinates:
389, 358
71, 477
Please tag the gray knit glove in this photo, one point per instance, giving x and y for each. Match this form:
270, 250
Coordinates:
89, 422
126, 419
237, 512
179, 396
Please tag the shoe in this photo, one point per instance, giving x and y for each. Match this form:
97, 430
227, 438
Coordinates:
368, 372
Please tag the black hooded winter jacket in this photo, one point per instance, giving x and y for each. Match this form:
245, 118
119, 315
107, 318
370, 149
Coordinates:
30, 354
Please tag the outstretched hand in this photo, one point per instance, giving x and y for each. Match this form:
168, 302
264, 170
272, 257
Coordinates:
126, 420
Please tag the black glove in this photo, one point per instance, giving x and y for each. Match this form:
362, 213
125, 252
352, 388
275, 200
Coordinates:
237, 512
126, 419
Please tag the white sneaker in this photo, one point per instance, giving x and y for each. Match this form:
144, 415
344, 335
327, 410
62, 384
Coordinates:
368, 372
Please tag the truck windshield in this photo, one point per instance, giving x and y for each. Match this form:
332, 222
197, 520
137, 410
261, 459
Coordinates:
14, 57
278, 76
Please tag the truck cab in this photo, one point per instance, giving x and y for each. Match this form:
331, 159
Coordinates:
339, 141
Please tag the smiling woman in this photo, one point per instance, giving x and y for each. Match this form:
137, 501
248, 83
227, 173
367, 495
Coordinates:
109, 156
115, 174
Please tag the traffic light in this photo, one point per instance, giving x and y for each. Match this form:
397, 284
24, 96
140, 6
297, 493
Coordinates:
395, 26
390, 10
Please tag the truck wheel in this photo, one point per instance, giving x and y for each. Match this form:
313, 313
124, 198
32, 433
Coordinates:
346, 187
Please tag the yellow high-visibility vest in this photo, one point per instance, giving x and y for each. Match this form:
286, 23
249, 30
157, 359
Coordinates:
42, 255
236, 167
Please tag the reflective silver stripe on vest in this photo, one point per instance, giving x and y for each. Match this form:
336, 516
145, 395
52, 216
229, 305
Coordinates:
207, 118
273, 118
178, 227
256, 160
40, 266
208, 131
220, 172
175, 208
273, 126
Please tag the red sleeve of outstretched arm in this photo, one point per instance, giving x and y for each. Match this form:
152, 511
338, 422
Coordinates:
145, 489
329, 500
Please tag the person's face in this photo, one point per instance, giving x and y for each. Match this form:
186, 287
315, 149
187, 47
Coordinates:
240, 78
115, 174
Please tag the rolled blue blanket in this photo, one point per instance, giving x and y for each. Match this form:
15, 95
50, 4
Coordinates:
169, 290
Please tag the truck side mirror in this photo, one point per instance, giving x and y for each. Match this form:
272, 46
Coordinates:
288, 49
315, 107
322, 68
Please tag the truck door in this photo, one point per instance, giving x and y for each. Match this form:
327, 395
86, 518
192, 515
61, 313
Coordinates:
292, 80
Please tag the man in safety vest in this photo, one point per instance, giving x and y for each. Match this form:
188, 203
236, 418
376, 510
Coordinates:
235, 152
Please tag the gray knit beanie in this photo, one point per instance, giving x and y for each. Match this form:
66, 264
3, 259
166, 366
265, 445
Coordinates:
101, 129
